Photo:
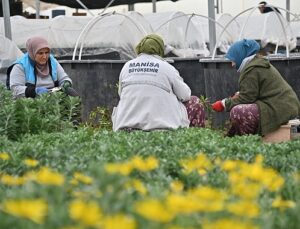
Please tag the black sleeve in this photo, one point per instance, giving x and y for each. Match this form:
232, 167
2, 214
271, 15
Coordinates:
30, 91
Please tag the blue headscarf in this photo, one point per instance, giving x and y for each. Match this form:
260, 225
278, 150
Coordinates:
239, 50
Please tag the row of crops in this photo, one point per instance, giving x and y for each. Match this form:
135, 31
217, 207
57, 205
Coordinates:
68, 177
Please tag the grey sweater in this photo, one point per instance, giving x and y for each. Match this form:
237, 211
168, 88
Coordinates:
17, 80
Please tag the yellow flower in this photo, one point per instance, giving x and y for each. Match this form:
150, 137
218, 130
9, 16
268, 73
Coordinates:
246, 190
74, 182
229, 165
35, 210
259, 159
176, 186
72, 227
241, 172
235, 177
83, 178
181, 204
31, 162
137, 185
201, 163
283, 204
145, 165
12, 180
252, 171
118, 221
217, 161
229, 224
4, 156
88, 213
124, 169
203, 199
296, 177
48, 177
271, 180
153, 210
135, 163
208, 193
178, 227
202, 172
244, 208
192, 202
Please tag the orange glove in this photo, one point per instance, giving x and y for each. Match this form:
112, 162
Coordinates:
218, 106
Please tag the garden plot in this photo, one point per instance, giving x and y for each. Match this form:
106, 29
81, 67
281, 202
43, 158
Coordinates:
89, 177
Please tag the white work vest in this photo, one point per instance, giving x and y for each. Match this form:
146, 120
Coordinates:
151, 94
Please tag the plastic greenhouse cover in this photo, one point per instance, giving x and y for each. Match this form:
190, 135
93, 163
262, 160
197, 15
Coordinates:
178, 31
111, 33
227, 37
295, 25
9, 52
187, 35
268, 29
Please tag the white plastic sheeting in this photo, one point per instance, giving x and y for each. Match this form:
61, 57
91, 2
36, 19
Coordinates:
295, 25
268, 28
187, 35
118, 33
9, 52
179, 32
231, 33
228, 37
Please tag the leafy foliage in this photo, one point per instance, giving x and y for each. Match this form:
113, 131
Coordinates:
88, 150
47, 113
99, 118
60, 173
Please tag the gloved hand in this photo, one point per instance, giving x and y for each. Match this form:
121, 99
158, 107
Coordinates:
41, 90
65, 85
218, 106
68, 90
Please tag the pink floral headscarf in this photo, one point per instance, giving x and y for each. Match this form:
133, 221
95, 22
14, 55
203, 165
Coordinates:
33, 45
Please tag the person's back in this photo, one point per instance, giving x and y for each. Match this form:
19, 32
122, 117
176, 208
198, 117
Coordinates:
146, 84
264, 100
152, 93
277, 100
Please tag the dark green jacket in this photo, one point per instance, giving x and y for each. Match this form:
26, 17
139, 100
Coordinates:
261, 83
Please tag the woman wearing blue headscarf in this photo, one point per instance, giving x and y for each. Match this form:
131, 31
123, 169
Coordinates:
265, 100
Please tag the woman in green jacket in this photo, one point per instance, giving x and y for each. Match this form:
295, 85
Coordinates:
264, 101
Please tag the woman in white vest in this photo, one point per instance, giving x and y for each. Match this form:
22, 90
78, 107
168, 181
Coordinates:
152, 93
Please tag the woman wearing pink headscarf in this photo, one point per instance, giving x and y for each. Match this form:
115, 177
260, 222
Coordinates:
36, 71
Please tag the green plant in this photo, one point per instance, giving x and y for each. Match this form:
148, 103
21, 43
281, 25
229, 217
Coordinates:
208, 110
100, 118
8, 123
47, 113
87, 152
